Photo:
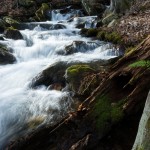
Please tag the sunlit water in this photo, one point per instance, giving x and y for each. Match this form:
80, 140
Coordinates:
19, 104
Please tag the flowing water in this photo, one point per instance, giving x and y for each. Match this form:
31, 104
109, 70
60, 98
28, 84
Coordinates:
21, 106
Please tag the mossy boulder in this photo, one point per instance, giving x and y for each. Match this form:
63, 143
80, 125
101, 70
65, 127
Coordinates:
5, 56
75, 76
12, 33
42, 11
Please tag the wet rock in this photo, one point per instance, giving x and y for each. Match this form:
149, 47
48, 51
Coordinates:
50, 76
5, 56
78, 46
57, 26
12, 33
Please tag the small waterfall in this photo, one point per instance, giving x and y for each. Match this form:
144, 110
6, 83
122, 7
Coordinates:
60, 14
142, 141
23, 109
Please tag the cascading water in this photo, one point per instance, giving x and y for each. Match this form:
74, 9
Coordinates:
19, 104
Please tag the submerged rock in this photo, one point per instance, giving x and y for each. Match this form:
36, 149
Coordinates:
52, 75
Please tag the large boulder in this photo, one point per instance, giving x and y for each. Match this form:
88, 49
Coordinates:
12, 33
5, 56
62, 72
75, 73
51, 75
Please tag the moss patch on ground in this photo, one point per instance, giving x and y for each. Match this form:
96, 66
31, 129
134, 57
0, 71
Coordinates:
106, 113
141, 63
103, 35
113, 37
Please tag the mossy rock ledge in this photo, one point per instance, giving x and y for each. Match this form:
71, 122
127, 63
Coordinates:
81, 78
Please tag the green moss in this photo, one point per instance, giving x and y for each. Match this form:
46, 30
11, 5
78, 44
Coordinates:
113, 37
11, 28
141, 63
76, 70
74, 76
130, 50
106, 114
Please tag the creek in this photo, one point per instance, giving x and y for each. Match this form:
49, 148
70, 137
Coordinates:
22, 108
